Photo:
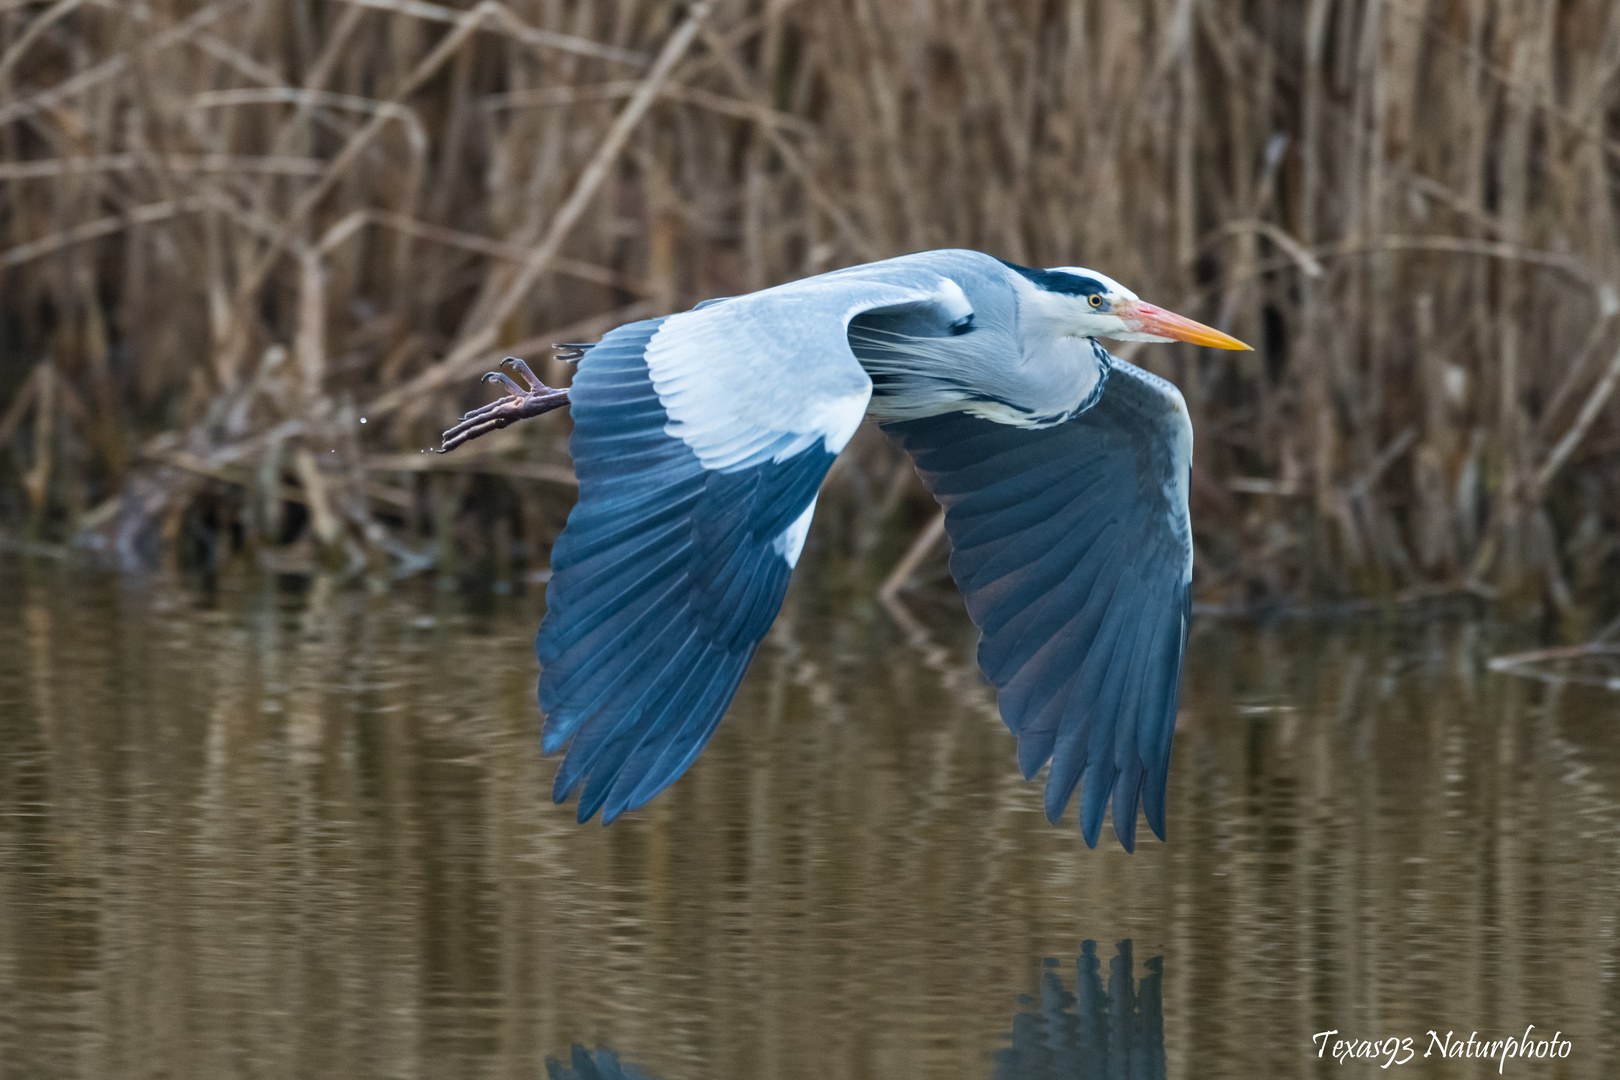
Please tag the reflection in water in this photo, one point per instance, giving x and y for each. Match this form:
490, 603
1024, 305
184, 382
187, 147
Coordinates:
1114, 1032
307, 833
583, 1065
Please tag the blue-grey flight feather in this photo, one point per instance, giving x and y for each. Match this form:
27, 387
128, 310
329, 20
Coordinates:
1072, 548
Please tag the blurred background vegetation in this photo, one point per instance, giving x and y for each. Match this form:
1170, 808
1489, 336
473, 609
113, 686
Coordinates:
230, 230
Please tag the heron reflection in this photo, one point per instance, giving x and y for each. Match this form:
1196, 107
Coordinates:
601, 1064
1112, 1031
1100, 1030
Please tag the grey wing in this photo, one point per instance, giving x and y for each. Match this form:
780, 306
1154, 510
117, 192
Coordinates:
1072, 547
700, 441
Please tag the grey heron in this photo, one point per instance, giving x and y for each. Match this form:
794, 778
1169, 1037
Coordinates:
701, 439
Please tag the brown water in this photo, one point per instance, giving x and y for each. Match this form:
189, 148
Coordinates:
254, 832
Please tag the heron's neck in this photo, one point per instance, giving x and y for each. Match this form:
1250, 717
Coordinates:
1058, 378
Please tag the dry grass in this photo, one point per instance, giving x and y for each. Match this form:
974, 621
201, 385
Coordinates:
228, 230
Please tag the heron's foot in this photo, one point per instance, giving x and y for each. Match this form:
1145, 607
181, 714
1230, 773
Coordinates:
520, 403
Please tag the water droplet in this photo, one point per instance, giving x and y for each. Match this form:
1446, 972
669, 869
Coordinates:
362, 419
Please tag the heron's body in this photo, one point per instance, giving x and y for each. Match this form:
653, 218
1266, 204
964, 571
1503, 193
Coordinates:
700, 442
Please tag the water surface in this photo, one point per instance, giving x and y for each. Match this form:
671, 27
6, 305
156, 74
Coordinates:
280, 828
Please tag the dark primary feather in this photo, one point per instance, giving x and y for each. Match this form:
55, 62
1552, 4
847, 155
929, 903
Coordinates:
1066, 550
663, 585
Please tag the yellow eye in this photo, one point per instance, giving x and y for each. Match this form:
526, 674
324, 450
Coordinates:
1096, 301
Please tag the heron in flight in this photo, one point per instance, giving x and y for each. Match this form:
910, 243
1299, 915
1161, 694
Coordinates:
700, 441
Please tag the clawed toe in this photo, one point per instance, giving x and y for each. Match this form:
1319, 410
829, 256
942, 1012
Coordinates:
518, 404
485, 410
524, 373
511, 387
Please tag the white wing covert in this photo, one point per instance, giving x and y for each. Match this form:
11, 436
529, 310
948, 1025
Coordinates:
764, 376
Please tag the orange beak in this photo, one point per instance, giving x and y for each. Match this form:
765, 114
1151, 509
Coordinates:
1144, 318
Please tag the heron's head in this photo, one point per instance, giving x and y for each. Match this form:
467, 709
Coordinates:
1083, 303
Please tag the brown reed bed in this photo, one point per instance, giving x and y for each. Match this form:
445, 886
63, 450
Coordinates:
230, 230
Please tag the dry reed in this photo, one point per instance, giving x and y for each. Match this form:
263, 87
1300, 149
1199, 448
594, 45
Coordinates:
230, 230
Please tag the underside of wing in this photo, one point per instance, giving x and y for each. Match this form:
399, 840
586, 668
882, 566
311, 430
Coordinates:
700, 441
1072, 550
